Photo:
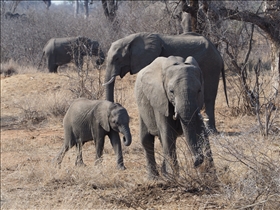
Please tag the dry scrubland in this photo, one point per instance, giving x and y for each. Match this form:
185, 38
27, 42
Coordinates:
33, 103
32, 134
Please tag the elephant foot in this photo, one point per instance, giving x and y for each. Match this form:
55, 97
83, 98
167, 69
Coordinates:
209, 167
208, 173
98, 161
198, 160
153, 175
56, 162
80, 164
121, 167
170, 171
212, 131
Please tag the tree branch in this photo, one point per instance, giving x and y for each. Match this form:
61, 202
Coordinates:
266, 23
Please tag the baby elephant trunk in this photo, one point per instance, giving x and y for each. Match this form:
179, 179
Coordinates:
127, 135
191, 128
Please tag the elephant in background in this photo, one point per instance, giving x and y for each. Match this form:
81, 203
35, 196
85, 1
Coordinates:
134, 52
60, 51
169, 94
88, 120
9, 15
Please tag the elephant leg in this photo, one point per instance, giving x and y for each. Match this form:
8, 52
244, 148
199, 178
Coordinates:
209, 168
148, 142
201, 131
99, 146
69, 140
55, 69
52, 66
170, 164
210, 112
116, 144
168, 135
61, 154
79, 160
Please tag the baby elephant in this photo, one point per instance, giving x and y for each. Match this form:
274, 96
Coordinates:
88, 120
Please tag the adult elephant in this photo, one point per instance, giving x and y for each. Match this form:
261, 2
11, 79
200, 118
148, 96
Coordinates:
60, 51
134, 52
169, 94
9, 15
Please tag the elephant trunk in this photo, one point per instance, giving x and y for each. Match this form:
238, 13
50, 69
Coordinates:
189, 118
127, 135
110, 84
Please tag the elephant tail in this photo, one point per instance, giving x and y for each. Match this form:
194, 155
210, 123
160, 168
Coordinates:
41, 59
224, 81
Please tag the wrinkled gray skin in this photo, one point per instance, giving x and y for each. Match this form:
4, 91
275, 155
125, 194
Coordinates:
60, 51
169, 95
88, 120
134, 52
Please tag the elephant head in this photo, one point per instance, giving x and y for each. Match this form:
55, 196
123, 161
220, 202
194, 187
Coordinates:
117, 119
89, 47
130, 54
174, 85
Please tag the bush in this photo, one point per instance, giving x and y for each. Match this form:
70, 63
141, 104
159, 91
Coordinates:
8, 69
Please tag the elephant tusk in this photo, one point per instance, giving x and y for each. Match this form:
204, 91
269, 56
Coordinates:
175, 116
109, 82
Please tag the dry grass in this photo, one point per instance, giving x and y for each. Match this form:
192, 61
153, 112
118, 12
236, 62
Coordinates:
247, 165
33, 103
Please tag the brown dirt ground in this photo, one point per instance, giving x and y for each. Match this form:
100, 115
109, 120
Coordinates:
30, 181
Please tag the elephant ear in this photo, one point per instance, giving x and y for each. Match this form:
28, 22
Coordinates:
144, 48
102, 113
191, 61
153, 88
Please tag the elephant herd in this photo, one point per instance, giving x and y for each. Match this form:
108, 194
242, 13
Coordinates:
178, 75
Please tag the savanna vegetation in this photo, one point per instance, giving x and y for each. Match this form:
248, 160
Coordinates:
246, 152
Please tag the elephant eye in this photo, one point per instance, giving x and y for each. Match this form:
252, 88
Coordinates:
199, 91
171, 91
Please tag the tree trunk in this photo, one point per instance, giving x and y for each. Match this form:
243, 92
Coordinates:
270, 25
195, 6
76, 8
275, 67
86, 8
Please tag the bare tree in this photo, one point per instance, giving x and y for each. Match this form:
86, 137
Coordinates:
269, 22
